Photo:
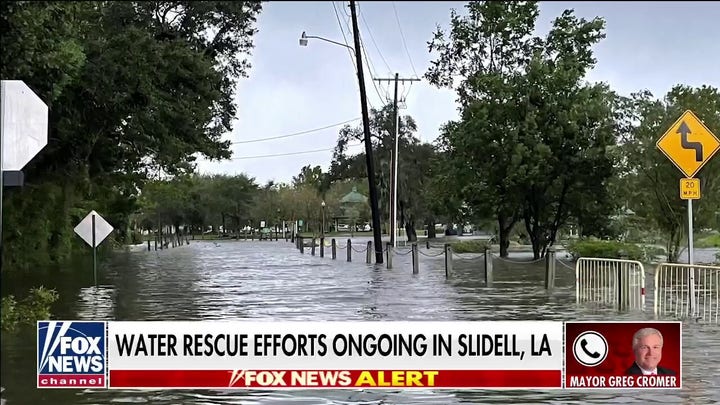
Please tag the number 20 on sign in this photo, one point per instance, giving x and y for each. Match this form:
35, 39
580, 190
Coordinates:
690, 189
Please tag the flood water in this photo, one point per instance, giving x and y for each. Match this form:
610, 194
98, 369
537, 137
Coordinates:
273, 281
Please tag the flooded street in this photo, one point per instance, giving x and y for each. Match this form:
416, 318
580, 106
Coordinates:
273, 281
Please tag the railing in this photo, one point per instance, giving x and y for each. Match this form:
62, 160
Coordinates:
688, 290
618, 282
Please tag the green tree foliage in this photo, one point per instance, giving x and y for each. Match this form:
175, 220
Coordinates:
649, 182
414, 163
134, 88
197, 202
532, 138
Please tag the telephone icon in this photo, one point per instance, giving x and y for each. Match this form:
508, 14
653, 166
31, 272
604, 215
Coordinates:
583, 345
590, 348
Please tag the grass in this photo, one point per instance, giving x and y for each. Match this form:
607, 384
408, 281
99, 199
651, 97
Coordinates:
709, 241
469, 246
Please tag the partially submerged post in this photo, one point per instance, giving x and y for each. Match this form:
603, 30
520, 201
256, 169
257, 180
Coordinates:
448, 260
312, 248
389, 255
368, 258
322, 247
488, 266
550, 269
334, 249
349, 250
415, 265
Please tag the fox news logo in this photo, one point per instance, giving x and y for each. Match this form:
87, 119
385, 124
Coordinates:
71, 354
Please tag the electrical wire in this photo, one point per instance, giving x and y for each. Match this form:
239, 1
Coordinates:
352, 56
295, 133
289, 153
372, 38
397, 18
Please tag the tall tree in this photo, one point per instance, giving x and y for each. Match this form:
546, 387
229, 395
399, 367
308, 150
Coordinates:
650, 180
531, 139
478, 58
414, 163
133, 87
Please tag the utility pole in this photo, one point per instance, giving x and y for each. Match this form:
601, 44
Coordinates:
377, 244
394, 160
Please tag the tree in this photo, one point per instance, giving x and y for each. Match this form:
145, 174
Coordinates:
134, 88
531, 139
414, 162
650, 180
314, 177
486, 49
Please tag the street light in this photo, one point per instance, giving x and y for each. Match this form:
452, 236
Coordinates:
323, 219
304, 41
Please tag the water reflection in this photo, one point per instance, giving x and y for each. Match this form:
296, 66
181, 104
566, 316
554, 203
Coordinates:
272, 280
96, 303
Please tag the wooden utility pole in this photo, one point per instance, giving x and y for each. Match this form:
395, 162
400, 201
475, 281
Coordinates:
368, 143
394, 160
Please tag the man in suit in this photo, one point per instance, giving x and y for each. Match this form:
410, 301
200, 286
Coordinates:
647, 346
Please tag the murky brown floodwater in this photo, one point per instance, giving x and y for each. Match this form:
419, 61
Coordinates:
272, 280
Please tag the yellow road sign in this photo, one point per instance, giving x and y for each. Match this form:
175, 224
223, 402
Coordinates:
690, 189
689, 144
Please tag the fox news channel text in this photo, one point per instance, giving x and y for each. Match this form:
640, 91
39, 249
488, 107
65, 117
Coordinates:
71, 354
623, 355
334, 354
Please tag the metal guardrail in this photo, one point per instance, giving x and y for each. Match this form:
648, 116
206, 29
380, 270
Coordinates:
610, 281
688, 290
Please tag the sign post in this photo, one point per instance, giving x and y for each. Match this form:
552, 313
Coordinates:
689, 144
93, 229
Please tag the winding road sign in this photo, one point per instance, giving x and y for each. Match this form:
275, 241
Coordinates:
689, 144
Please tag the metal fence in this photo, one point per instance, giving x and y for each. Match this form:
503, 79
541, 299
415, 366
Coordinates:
616, 282
688, 290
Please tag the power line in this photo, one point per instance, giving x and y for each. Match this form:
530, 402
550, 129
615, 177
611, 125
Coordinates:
373, 74
372, 37
289, 153
352, 55
371, 66
295, 133
337, 16
403, 39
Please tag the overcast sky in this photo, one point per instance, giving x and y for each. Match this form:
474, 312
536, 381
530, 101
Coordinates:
290, 89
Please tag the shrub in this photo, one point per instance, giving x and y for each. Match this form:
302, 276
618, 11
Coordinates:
711, 241
607, 249
36, 306
469, 246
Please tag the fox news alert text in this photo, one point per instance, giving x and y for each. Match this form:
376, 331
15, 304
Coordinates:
359, 355
335, 354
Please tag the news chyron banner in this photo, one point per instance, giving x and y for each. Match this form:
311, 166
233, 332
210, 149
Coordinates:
623, 355
293, 355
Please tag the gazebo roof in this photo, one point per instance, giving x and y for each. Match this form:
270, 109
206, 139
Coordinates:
353, 197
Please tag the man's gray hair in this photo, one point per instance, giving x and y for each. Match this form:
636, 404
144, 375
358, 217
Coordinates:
643, 333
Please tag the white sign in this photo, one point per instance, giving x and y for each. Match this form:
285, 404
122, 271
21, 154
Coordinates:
85, 229
24, 124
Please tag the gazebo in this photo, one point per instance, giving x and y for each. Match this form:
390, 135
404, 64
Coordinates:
348, 206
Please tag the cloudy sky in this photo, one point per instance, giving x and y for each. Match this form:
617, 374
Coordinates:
292, 89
